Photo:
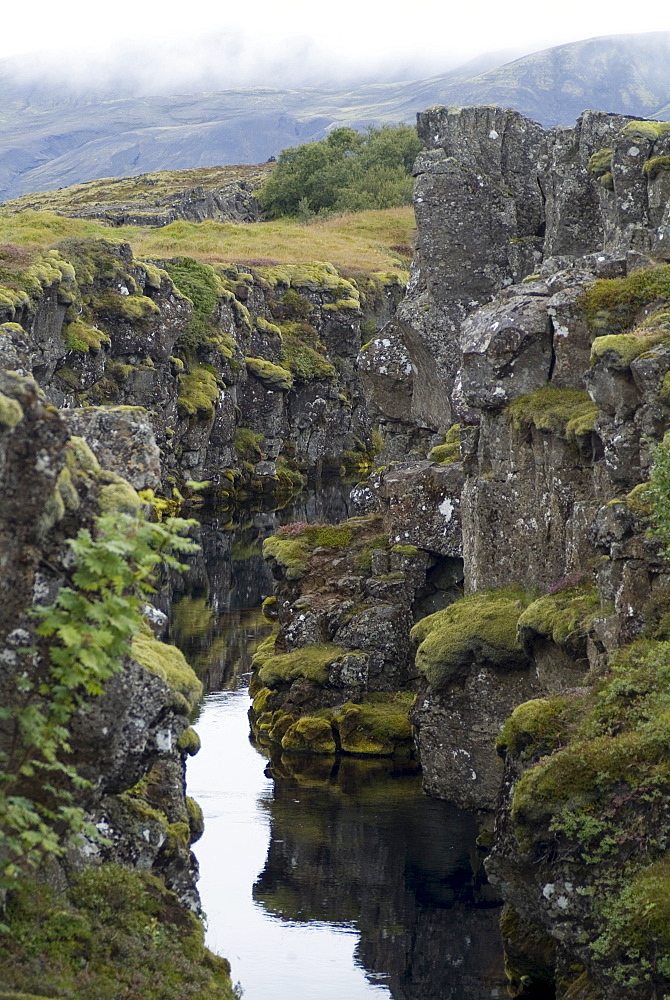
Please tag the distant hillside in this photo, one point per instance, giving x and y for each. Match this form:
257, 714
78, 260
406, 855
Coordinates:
222, 194
50, 138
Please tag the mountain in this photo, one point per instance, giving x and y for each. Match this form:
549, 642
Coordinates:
52, 136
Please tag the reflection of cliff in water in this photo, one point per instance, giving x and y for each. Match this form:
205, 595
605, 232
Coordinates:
357, 842
213, 607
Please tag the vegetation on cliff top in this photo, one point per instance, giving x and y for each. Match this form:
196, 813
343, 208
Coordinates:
611, 304
347, 171
145, 192
367, 240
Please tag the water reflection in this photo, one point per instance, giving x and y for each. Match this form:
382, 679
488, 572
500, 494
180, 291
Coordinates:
320, 878
213, 607
358, 843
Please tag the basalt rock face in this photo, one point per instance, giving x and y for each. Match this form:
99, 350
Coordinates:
536, 320
51, 486
255, 368
496, 195
559, 371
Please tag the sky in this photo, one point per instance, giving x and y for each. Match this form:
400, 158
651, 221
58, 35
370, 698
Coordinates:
215, 44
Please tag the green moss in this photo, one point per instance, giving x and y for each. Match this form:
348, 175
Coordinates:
306, 363
480, 628
610, 304
117, 494
196, 820
259, 705
170, 665
295, 305
269, 607
11, 412
81, 336
200, 283
363, 557
263, 326
198, 392
568, 413
310, 735
80, 459
115, 932
315, 277
618, 350
311, 662
536, 728
607, 181
264, 652
639, 919
641, 129
248, 444
601, 162
564, 617
189, 742
134, 308
405, 550
290, 548
67, 489
450, 450
379, 726
342, 304
272, 376
654, 166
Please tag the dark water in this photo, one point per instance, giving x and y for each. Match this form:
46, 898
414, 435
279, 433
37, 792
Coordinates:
321, 879
337, 880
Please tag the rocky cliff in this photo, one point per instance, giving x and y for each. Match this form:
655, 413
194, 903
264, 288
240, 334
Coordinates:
245, 372
532, 355
118, 376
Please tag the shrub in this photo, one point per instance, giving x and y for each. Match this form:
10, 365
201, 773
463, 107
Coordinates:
348, 171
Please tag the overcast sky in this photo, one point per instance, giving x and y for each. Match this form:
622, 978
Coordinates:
230, 43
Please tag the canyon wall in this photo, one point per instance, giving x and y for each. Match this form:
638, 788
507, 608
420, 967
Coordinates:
511, 581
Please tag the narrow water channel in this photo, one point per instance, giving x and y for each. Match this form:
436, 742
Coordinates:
321, 878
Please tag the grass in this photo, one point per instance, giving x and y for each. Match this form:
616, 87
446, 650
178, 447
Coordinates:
361, 240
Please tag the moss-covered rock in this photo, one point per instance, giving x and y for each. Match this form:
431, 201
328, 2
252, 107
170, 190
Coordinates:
478, 628
610, 305
116, 931
564, 617
170, 665
600, 163
568, 413
189, 742
289, 548
379, 726
310, 734
536, 728
450, 450
618, 350
196, 820
198, 392
310, 662
272, 376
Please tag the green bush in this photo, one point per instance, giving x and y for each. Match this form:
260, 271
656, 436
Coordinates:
348, 171
85, 636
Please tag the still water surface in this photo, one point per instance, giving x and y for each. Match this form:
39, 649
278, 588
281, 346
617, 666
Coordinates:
332, 879
322, 879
